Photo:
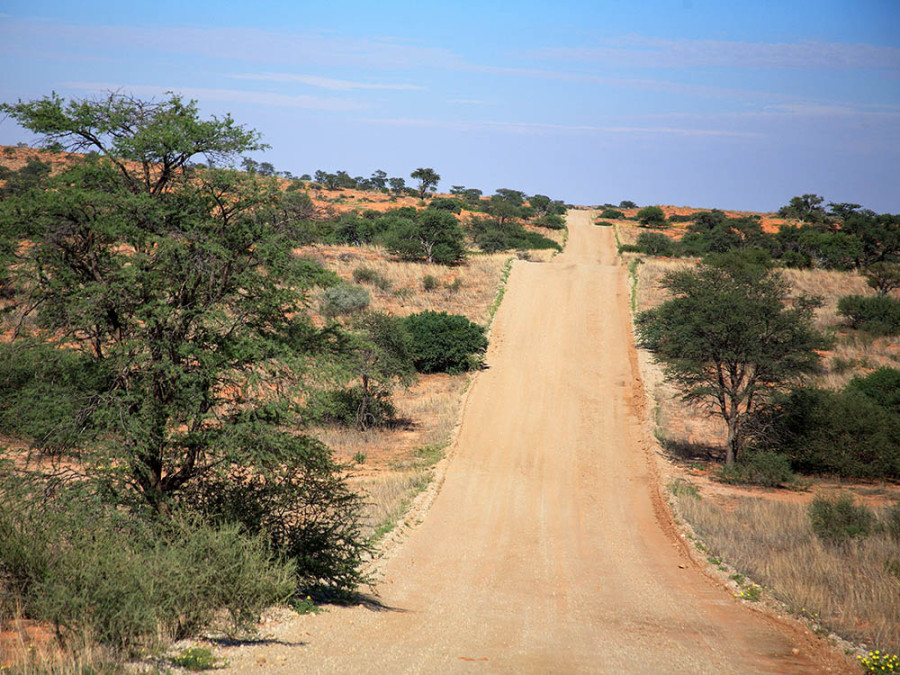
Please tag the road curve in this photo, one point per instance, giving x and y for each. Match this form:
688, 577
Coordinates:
543, 551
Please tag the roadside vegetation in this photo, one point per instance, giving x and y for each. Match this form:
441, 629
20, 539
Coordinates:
775, 368
205, 372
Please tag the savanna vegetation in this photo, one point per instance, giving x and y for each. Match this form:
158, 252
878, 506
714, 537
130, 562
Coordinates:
777, 352
179, 349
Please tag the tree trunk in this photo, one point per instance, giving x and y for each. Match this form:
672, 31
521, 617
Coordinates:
732, 443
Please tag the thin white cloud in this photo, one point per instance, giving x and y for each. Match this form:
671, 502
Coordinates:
251, 45
226, 95
644, 52
324, 82
542, 128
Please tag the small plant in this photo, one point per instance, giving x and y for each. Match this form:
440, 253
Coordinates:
359, 457
751, 593
366, 275
455, 285
196, 658
305, 606
839, 520
429, 282
430, 454
682, 487
603, 223
738, 578
876, 662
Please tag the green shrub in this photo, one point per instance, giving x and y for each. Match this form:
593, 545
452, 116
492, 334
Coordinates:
91, 569
878, 315
611, 214
676, 218
655, 243
493, 236
882, 386
602, 223
839, 520
445, 204
444, 342
344, 299
552, 221
429, 282
766, 468
345, 407
300, 503
43, 391
365, 275
834, 432
651, 216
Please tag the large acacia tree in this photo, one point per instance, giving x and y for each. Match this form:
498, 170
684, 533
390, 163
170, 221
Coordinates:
177, 287
728, 339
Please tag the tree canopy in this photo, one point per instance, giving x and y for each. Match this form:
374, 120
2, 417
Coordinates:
727, 338
428, 180
177, 288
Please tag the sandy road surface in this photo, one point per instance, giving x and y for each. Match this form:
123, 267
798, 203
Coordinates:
542, 551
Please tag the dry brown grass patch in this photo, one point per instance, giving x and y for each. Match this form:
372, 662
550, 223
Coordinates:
853, 589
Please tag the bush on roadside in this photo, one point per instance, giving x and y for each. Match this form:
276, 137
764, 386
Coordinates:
552, 221
611, 214
655, 243
493, 236
445, 343
838, 520
766, 468
93, 570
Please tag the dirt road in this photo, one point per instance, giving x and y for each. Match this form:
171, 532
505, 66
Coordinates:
543, 551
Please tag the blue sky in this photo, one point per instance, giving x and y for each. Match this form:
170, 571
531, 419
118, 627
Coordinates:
688, 102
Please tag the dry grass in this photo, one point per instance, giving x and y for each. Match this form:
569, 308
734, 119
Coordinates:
430, 410
31, 648
854, 589
388, 498
467, 289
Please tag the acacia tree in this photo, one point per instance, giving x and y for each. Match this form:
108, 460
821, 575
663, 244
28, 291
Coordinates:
727, 339
428, 180
381, 355
179, 286
434, 235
